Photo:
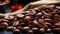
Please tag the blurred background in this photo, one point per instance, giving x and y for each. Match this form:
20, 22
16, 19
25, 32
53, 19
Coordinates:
8, 6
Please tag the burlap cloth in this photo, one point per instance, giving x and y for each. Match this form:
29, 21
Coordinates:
31, 5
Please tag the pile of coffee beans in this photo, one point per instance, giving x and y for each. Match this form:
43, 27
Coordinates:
44, 18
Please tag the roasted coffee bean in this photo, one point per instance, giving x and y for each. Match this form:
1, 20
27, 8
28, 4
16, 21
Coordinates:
9, 27
45, 13
9, 17
36, 18
58, 7
51, 6
41, 21
5, 24
27, 12
35, 29
37, 9
16, 30
30, 32
4, 20
35, 22
22, 24
13, 28
47, 10
32, 11
19, 27
48, 20
48, 30
16, 23
38, 24
56, 29
49, 25
42, 30
55, 11
45, 6
57, 25
39, 14
26, 28
27, 18
20, 15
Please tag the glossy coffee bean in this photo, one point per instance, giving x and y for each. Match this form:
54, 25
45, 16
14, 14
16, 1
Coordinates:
20, 15
42, 30
48, 30
26, 28
19, 27
30, 32
9, 27
13, 28
39, 14
56, 29
27, 18
16, 23
9, 17
16, 30
4, 24
35, 29
57, 25
48, 20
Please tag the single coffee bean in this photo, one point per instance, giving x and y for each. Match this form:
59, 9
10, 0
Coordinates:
16, 30
19, 27
56, 29
9, 27
35, 29
37, 9
27, 18
58, 7
4, 24
30, 32
13, 28
39, 14
35, 22
41, 21
48, 30
55, 10
27, 11
20, 15
51, 6
57, 25
32, 11
42, 30
48, 20
45, 13
22, 24
49, 25
4, 20
26, 28
16, 23
9, 17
